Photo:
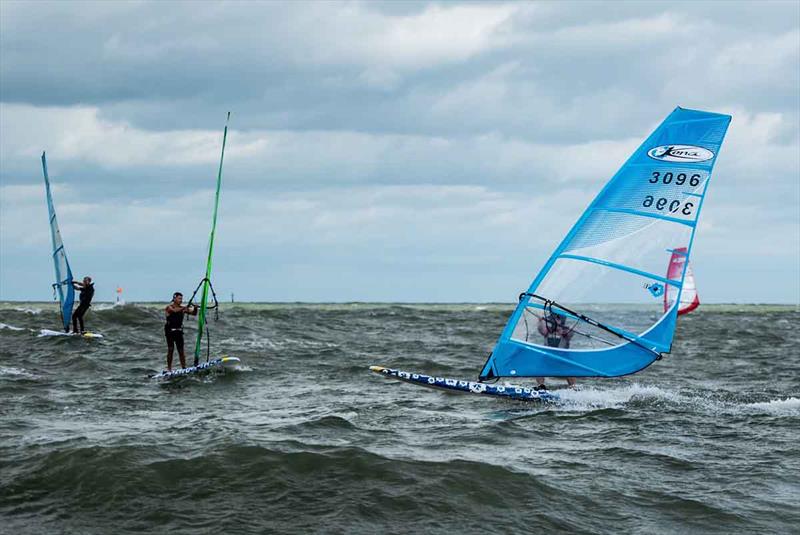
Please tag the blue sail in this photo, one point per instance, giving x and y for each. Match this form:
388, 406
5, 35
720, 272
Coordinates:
615, 255
63, 285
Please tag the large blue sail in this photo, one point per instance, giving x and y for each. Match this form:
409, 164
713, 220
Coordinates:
63, 285
615, 254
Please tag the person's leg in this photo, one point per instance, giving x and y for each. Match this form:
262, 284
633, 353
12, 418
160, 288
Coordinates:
571, 381
170, 348
77, 317
179, 343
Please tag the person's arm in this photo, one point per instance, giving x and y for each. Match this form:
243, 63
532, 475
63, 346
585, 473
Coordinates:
191, 310
77, 285
568, 332
541, 326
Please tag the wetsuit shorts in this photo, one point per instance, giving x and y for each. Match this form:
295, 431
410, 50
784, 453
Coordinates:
174, 338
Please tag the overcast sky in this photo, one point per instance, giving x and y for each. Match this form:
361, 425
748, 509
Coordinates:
381, 151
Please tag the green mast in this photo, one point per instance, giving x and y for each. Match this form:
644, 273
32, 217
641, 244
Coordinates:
206, 282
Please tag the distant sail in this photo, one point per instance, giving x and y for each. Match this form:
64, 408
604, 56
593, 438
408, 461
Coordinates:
616, 252
205, 285
689, 299
63, 285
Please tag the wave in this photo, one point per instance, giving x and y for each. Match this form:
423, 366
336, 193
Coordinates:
328, 423
11, 327
591, 398
16, 372
100, 307
649, 395
334, 487
778, 407
27, 310
290, 487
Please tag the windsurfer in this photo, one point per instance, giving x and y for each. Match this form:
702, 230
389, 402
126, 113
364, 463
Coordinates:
86, 288
553, 327
173, 328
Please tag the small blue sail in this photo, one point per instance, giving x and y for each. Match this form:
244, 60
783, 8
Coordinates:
63, 286
615, 255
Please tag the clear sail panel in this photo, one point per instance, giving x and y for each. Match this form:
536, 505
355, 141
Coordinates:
627, 302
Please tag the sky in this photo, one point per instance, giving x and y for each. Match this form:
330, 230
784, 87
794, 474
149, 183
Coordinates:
382, 151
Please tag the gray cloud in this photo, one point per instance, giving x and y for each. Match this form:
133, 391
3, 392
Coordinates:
529, 70
363, 127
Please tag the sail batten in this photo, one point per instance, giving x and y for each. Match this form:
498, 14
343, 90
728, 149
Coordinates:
653, 216
621, 267
615, 253
62, 288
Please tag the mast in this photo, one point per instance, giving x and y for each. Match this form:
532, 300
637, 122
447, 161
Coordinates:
205, 284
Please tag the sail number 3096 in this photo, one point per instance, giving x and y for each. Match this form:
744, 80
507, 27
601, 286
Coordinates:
673, 206
680, 179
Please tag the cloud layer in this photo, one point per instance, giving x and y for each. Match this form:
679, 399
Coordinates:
390, 151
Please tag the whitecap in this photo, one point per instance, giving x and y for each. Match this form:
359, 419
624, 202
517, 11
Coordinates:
778, 407
28, 310
613, 398
100, 307
18, 372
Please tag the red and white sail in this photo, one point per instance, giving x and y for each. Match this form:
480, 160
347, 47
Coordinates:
688, 294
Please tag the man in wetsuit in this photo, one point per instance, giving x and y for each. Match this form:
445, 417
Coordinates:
86, 288
553, 327
173, 328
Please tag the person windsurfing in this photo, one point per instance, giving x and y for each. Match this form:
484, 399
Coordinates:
173, 328
553, 327
86, 288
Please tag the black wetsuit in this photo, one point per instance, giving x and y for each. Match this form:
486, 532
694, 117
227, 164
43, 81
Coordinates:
85, 301
173, 330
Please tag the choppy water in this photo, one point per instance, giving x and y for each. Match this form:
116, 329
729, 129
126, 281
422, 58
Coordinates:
306, 440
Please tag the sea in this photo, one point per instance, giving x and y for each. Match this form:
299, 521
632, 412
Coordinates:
305, 439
